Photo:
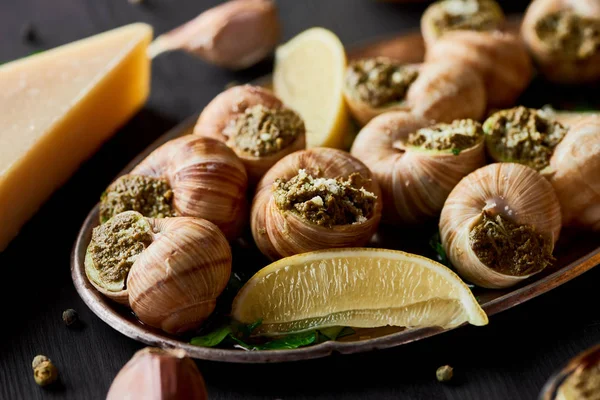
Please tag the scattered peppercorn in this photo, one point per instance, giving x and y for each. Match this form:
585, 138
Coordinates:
444, 373
70, 317
28, 33
44, 372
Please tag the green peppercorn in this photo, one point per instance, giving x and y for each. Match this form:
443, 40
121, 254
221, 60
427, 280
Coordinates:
44, 372
444, 373
70, 317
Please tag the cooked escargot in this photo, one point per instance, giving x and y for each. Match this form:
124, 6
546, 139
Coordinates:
499, 225
416, 163
314, 199
437, 91
168, 270
450, 15
564, 38
500, 58
189, 176
255, 124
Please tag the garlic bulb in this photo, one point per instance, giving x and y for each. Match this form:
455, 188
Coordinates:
157, 374
235, 35
575, 173
417, 164
564, 38
314, 199
255, 124
437, 91
187, 176
499, 225
451, 15
500, 58
168, 270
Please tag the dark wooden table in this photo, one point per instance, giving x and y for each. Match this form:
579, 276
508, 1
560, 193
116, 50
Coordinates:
509, 359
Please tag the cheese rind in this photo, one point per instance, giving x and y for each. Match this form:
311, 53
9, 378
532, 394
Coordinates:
58, 107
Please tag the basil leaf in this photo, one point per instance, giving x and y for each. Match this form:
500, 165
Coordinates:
213, 338
292, 341
456, 151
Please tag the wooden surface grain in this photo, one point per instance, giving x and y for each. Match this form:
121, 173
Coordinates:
509, 359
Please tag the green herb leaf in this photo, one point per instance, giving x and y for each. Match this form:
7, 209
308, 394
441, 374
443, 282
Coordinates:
347, 331
246, 330
436, 244
331, 333
456, 151
213, 338
291, 341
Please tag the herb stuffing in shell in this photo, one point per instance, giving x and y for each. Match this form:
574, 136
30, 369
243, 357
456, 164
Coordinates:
456, 136
325, 201
569, 34
523, 135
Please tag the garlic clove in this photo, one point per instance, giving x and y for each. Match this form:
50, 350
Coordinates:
446, 16
174, 283
207, 179
280, 232
500, 58
563, 38
235, 35
414, 181
153, 373
219, 118
576, 173
512, 191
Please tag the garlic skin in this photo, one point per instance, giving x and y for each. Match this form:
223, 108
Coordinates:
414, 183
556, 66
157, 374
575, 174
234, 35
500, 58
514, 191
173, 285
172, 281
281, 234
447, 10
208, 180
226, 108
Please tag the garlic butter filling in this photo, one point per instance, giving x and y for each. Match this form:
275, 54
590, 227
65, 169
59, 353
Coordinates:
479, 15
456, 136
151, 197
379, 81
261, 131
509, 248
325, 201
570, 34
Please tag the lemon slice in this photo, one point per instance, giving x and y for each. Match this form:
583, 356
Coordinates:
358, 287
308, 77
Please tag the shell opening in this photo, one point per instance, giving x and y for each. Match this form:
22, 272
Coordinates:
115, 246
478, 15
379, 81
151, 197
509, 248
457, 136
584, 382
523, 135
325, 201
567, 33
262, 131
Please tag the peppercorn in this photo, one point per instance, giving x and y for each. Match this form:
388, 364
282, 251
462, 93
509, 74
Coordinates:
28, 33
70, 317
44, 372
444, 373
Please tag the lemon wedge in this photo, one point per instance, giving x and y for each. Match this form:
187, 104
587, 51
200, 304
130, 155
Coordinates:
308, 77
356, 287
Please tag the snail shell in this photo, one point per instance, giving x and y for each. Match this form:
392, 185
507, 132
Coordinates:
500, 58
414, 183
231, 104
444, 10
280, 233
173, 285
575, 176
554, 64
207, 178
514, 191
442, 92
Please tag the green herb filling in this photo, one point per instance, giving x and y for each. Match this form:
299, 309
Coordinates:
475, 15
570, 34
459, 135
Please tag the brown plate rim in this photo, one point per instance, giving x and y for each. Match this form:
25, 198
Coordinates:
100, 305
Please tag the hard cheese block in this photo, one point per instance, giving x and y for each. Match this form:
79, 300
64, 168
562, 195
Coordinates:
58, 107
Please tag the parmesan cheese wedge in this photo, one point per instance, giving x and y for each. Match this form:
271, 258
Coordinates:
58, 107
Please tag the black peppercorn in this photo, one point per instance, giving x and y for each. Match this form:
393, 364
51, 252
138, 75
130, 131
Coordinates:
28, 33
70, 317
